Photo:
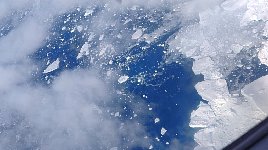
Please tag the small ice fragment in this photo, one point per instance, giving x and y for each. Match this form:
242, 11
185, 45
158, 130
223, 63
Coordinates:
163, 131
88, 12
72, 30
101, 37
151, 147
127, 21
109, 73
79, 28
134, 7
156, 120
139, 79
91, 36
123, 79
53, 66
84, 50
117, 114
137, 34
119, 36
263, 55
102, 52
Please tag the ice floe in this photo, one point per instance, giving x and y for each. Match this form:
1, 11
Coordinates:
53, 66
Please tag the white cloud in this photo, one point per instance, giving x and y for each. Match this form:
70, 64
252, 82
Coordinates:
69, 115
22, 41
6, 7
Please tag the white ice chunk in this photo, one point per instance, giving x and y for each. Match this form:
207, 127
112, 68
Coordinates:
106, 49
91, 36
102, 51
53, 66
101, 37
263, 54
109, 73
156, 120
123, 79
79, 28
88, 12
117, 114
163, 131
83, 51
137, 34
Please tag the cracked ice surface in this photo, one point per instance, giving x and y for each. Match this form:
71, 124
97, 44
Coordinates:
224, 118
263, 54
258, 91
214, 41
257, 11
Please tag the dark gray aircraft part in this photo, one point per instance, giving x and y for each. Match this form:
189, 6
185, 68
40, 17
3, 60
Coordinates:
254, 139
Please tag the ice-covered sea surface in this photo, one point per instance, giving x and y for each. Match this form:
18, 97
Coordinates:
86, 74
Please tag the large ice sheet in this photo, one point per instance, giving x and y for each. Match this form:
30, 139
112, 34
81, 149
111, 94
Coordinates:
224, 118
258, 91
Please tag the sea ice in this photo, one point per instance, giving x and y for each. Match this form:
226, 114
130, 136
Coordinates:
53, 66
123, 79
